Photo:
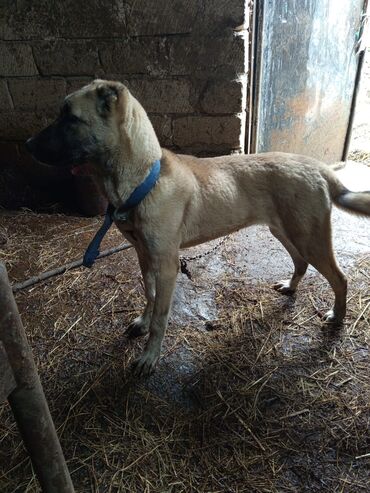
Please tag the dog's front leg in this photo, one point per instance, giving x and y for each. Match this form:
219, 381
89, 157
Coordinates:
165, 277
140, 326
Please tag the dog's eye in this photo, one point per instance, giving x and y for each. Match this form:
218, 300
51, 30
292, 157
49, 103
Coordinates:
68, 118
75, 119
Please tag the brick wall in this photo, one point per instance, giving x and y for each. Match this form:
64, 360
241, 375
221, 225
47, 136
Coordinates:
181, 59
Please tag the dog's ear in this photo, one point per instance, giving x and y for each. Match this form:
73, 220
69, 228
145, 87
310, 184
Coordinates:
108, 94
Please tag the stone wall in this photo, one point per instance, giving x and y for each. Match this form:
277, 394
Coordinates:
182, 60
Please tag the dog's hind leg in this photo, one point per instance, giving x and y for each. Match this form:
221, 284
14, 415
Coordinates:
316, 249
288, 286
322, 258
140, 326
338, 282
166, 267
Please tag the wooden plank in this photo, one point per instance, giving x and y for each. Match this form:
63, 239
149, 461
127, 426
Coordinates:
7, 382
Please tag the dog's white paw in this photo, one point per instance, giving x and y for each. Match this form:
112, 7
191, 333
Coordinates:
137, 328
331, 318
145, 365
283, 287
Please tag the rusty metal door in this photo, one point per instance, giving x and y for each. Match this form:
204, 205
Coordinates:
305, 70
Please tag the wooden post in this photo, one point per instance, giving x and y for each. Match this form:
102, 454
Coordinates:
28, 400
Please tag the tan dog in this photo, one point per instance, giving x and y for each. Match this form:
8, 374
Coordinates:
195, 200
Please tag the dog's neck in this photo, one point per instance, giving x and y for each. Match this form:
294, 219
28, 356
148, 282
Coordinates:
132, 160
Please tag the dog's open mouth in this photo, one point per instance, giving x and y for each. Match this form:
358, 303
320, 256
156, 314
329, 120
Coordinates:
84, 169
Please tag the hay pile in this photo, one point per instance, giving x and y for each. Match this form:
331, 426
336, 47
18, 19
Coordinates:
260, 399
360, 156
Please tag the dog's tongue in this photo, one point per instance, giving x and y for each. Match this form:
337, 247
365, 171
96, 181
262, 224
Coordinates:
82, 169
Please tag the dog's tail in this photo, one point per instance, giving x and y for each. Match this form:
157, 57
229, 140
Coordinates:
356, 202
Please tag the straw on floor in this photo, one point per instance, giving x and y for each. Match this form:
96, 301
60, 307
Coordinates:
261, 399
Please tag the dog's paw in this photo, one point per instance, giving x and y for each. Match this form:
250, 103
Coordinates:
137, 328
283, 287
331, 318
145, 365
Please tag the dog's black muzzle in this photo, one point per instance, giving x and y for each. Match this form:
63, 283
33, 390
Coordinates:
57, 145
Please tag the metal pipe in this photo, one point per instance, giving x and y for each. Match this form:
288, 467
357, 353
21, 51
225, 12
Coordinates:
60, 270
28, 401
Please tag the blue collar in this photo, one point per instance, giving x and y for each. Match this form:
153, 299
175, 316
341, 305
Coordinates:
143, 189
134, 200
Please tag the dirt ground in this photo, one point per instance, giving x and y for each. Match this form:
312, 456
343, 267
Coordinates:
252, 394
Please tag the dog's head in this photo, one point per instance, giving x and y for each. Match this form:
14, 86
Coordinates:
86, 128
